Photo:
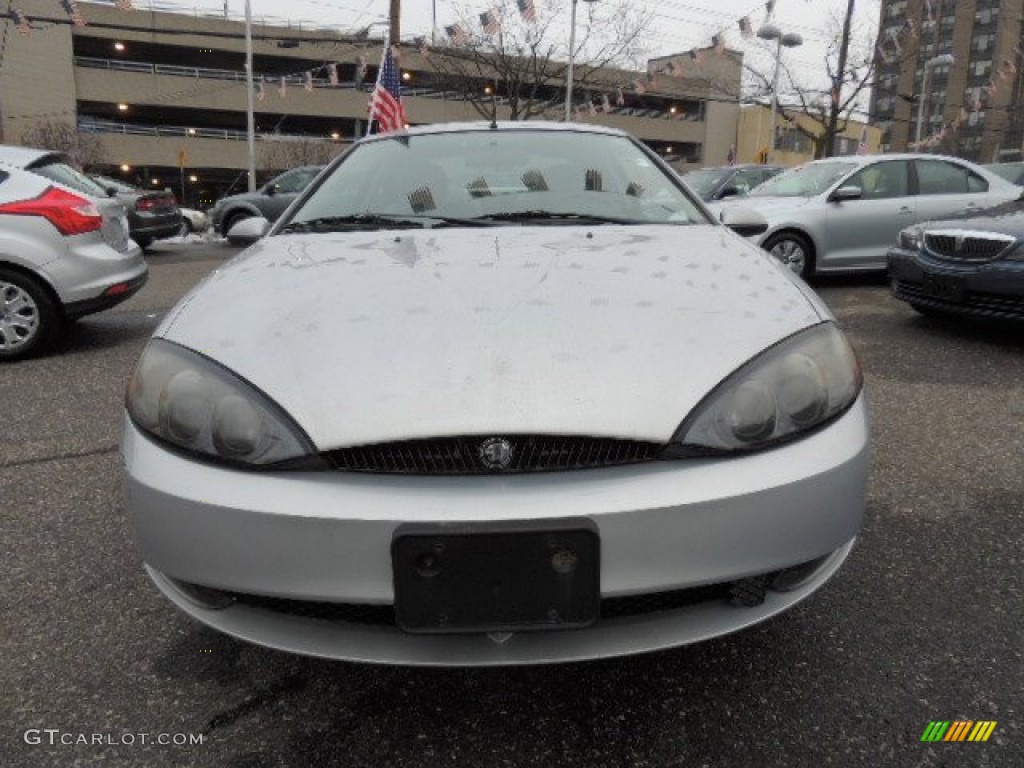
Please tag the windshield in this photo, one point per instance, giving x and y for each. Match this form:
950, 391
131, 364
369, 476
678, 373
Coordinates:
496, 177
705, 182
806, 181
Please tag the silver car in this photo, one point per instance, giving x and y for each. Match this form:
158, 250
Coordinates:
495, 394
65, 250
844, 213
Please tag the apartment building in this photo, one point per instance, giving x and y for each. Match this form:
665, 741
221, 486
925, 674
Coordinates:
958, 63
165, 93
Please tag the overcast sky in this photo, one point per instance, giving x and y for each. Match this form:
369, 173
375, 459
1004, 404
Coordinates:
679, 25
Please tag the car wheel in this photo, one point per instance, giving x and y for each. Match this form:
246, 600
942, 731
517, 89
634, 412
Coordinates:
792, 249
29, 318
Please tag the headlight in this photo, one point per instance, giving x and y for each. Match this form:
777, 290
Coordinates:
188, 400
797, 385
911, 238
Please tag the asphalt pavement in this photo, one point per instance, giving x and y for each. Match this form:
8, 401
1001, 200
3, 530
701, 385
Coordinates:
923, 623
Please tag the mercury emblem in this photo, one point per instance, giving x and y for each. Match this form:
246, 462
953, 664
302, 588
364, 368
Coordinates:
496, 453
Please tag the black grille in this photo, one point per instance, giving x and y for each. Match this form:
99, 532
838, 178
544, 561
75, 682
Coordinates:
966, 248
384, 615
482, 455
984, 305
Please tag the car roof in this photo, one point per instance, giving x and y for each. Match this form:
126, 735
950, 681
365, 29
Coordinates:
23, 157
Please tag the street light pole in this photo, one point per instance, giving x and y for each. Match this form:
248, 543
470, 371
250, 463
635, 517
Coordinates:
250, 118
572, 56
935, 61
791, 40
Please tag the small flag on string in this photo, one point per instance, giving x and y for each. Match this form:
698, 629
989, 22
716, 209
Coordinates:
769, 8
308, 85
527, 10
74, 13
491, 22
670, 67
22, 23
386, 104
457, 34
862, 146
124, 5
332, 74
746, 28
718, 42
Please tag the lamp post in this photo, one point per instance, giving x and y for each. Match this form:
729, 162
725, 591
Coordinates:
250, 119
791, 40
943, 59
572, 56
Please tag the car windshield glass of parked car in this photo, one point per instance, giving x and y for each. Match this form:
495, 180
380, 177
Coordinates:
483, 178
705, 182
806, 181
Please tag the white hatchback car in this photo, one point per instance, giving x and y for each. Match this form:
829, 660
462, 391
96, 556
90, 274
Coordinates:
495, 394
65, 249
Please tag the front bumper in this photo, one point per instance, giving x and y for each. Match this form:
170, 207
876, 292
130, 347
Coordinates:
992, 289
325, 538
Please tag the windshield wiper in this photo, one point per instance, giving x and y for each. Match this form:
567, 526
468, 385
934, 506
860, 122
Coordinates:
362, 221
569, 218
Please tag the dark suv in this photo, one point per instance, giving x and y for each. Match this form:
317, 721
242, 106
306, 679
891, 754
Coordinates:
269, 201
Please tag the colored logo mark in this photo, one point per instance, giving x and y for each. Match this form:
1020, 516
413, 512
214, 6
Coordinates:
958, 730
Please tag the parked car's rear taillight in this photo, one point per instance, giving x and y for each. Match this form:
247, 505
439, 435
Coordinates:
69, 213
154, 203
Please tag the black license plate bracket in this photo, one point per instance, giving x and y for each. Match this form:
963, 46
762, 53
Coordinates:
944, 287
509, 577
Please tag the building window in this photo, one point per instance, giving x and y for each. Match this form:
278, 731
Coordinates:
982, 68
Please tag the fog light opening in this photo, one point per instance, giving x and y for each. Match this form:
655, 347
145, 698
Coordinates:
748, 593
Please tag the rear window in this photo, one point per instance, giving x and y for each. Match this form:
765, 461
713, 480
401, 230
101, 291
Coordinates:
64, 174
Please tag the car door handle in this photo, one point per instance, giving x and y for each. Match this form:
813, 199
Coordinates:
905, 209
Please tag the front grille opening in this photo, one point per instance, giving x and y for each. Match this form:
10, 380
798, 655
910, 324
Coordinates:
486, 454
977, 303
966, 248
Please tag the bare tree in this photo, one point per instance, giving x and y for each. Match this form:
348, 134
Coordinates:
85, 149
280, 155
523, 65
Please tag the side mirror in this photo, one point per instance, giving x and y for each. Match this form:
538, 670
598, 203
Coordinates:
846, 193
248, 231
728, 192
744, 221
271, 190
111, 192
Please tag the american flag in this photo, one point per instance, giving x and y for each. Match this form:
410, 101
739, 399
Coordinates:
862, 147
124, 5
386, 105
22, 23
71, 8
527, 10
491, 22
457, 34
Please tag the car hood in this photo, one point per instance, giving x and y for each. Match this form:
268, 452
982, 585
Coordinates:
605, 331
772, 207
1007, 218
241, 197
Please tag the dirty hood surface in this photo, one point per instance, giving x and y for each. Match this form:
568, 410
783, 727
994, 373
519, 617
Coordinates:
615, 331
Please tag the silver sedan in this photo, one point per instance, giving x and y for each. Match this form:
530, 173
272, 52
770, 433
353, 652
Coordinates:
844, 213
495, 394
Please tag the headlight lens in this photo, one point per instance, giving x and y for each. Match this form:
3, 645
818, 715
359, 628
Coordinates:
793, 387
911, 238
188, 400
